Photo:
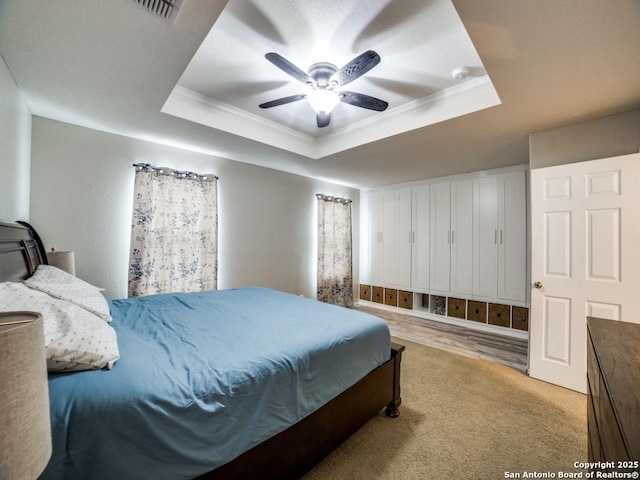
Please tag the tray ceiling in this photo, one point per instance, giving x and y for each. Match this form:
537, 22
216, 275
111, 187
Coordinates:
420, 44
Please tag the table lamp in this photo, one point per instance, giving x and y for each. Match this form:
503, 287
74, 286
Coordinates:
62, 260
25, 428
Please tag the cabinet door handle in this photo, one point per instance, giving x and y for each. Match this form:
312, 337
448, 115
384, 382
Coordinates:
500, 236
452, 237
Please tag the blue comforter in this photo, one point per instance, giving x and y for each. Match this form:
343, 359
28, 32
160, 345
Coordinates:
203, 377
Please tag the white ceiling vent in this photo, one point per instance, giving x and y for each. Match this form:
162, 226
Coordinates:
166, 9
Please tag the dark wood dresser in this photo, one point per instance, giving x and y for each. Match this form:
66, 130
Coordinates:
613, 373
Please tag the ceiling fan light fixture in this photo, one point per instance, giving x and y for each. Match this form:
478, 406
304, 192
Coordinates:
323, 101
322, 79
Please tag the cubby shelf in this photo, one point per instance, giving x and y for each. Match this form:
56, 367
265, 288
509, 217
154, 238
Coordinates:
473, 313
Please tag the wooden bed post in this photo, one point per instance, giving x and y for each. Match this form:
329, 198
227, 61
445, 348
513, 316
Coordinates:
392, 410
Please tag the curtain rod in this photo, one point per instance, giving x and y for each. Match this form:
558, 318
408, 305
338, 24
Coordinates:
170, 171
329, 198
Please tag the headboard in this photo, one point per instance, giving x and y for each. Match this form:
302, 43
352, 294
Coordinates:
21, 251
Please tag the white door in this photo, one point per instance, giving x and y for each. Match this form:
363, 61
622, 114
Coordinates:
440, 233
371, 271
420, 238
403, 239
387, 237
512, 237
485, 237
461, 237
585, 260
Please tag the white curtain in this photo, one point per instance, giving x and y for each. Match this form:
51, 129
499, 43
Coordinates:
335, 283
174, 232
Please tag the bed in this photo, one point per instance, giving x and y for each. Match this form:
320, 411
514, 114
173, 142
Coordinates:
241, 383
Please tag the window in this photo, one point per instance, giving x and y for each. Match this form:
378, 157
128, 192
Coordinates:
174, 232
335, 281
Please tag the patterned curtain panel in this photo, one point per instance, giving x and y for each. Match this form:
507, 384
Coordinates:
335, 282
174, 232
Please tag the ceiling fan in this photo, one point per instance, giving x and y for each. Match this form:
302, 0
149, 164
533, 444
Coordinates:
325, 81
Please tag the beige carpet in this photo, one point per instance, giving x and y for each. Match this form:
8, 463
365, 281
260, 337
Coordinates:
463, 418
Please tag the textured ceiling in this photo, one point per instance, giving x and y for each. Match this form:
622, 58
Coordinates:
111, 66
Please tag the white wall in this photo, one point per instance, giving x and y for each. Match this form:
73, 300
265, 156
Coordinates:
15, 148
604, 137
81, 199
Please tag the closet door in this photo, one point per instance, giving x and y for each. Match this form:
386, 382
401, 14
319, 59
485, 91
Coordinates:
512, 237
440, 234
461, 237
485, 238
420, 215
403, 238
387, 237
374, 244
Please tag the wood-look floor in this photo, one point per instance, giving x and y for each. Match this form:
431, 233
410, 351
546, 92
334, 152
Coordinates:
473, 343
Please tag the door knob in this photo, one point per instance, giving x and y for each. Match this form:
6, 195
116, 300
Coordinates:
538, 284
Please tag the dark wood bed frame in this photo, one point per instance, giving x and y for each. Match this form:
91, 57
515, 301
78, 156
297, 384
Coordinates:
289, 454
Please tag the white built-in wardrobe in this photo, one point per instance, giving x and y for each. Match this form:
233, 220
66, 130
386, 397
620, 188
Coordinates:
452, 249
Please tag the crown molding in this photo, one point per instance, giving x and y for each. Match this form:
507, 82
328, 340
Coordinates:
468, 97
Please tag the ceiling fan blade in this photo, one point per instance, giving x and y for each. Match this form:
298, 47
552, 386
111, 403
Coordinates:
289, 68
363, 101
283, 101
356, 68
323, 119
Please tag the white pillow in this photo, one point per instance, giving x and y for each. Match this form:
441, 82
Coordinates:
60, 284
75, 339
